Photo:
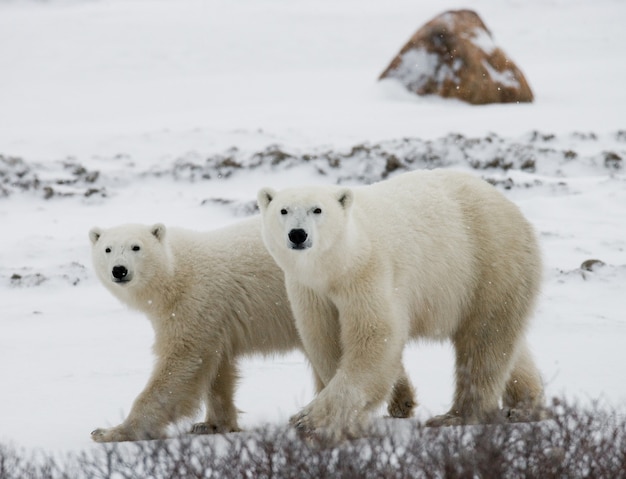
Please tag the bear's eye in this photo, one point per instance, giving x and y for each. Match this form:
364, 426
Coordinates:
135, 248
317, 211
107, 250
283, 211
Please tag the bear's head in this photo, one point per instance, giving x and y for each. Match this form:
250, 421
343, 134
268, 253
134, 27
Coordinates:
128, 258
303, 221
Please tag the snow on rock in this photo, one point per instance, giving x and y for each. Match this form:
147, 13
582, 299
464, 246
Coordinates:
454, 56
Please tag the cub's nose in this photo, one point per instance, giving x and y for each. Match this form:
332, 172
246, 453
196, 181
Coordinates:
297, 236
119, 272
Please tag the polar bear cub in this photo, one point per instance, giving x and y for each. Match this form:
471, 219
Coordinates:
211, 297
429, 254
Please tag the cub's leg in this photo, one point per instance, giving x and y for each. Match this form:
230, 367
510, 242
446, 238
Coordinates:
171, 393
221, 413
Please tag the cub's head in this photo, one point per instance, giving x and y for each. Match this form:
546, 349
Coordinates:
304, 220
128, 257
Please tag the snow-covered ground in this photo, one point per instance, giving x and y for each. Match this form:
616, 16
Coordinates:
114, 111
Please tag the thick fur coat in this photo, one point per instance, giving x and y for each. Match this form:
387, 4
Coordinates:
211, 297
429, 254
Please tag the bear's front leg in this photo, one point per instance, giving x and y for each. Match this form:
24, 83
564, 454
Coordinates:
171, 393
317, 322
371, 343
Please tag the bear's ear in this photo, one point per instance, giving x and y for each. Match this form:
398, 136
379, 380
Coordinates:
265, 197
158, 231
94, 234
345, 197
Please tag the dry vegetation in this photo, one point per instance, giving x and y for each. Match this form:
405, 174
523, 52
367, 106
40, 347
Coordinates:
578, 442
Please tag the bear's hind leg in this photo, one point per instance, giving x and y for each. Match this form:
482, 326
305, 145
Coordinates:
523, 396
221, 413
483, 365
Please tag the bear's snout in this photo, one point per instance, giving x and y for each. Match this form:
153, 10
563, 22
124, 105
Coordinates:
120, 273
298, 236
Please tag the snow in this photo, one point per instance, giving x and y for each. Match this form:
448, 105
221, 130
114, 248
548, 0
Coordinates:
153, 94
417, 66
482, 39
505, 78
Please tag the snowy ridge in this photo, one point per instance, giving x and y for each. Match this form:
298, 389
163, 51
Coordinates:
65, 274
538, 153
539, 161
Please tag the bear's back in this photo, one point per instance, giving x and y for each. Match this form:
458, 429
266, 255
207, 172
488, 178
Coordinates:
228, 276
444, 230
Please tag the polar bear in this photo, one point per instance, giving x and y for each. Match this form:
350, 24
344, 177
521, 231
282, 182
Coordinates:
428, 254
211, 297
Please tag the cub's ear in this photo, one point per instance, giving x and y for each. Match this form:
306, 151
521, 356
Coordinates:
158, 231
345, 197
94, 234
265, 197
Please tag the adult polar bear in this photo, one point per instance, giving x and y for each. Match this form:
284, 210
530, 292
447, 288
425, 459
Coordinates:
211, 297
435, 254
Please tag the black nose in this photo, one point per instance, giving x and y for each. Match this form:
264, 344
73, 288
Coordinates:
119, 272
297, 236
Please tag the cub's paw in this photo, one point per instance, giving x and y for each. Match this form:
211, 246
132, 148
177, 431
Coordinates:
124, 433
114, 434
527, 414
402, 401
213, 428
401, 406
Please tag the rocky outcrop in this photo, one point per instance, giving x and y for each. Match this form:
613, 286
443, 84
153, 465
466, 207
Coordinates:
454, 56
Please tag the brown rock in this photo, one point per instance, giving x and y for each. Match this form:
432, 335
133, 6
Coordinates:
454, 56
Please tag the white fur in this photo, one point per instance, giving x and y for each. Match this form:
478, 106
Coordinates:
434, 254
211, 298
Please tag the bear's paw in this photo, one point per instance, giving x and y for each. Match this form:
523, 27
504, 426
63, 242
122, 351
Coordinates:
402, 402
331, 422
213, 428
114, 434
123, 433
